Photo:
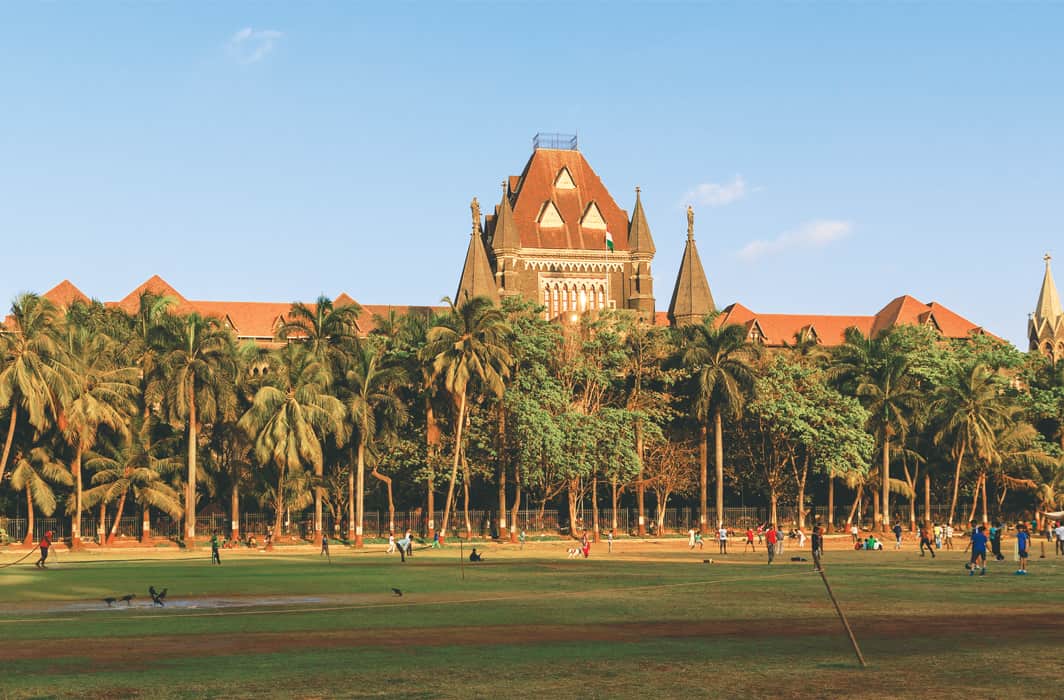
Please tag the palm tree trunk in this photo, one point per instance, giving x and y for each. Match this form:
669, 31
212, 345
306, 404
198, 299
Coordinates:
613, 504
574, 486
391, 503
703, 498
883, 524
145, 525
517, 504
465, 499
718, 444
856, 502
986, 514
278, 519
350, 496
594, 506
118, 518
454, 467
102, 527
502, 470
319, 471
431, 429
234, 512
831, 502
190, 487
975, 498
927, 495
360, 489
75, 528
8, 440
640, 488
956, 485
29, 516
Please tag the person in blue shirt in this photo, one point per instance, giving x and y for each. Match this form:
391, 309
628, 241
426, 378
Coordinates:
1023, 539
978, 544
897, 535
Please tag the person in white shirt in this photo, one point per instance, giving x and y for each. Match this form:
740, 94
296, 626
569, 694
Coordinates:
948, 541
722, 539
801, 538
854, 532
391, 543
1059, 532
691, 538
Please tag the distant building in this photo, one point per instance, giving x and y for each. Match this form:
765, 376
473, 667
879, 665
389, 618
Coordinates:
558, 238
1045, 327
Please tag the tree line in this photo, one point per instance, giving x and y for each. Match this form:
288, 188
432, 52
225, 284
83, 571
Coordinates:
166, 412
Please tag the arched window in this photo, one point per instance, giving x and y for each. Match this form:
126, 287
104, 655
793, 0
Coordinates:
602, 297
554, 306
582, 301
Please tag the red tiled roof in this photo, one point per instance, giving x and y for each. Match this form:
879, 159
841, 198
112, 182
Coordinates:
157, 286
781, 329
64, 294
536, 187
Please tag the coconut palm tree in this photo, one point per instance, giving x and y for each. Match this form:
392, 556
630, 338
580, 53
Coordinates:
291, 416
375, 409
101, 393
32, 381
199, 374
35, 473
469, 344
890, 393
719, 360
971, 407
133, 469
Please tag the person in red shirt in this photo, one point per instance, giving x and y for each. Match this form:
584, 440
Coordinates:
749, 540
770, 540
44, 544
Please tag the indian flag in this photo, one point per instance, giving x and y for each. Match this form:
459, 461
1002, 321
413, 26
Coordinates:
609, 241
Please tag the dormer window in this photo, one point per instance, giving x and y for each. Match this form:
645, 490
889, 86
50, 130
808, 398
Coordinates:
549, 217
564, 180
593, 218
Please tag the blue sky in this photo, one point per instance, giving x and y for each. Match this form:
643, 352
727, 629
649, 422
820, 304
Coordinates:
837, 154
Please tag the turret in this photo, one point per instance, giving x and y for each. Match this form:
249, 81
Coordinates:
691, 298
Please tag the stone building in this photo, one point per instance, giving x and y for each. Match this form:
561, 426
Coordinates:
1045, 327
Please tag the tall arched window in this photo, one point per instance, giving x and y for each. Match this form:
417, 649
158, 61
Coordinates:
602, 297
554, 305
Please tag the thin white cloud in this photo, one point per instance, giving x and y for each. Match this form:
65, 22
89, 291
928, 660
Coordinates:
252, 45
711, 194
812, 234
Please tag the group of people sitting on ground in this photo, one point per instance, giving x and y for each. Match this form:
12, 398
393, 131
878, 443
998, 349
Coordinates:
869, 543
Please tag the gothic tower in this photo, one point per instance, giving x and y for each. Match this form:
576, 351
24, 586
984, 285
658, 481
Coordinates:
691, 298
1045, 329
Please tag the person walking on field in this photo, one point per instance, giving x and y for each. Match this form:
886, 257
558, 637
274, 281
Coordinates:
1059, 533
585, 545
854, 532
818, 547
1023, 539
391, 543
938, 536
779, 540
44, 544
324, 545
749, 540
947, 536
215, 559
691, 538
722, 539
897, 535
609, 542
925, 540
995, 541
770, 542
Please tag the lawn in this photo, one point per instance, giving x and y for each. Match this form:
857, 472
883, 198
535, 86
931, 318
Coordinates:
650, 620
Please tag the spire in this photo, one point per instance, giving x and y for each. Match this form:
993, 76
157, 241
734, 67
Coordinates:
477, 278
1048, 308
691, 298
506, 236
639, 238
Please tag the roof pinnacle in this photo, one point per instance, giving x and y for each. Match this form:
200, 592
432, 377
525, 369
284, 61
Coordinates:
690, 223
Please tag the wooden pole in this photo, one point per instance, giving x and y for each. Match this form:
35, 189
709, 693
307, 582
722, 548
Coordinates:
845, 623
461, 558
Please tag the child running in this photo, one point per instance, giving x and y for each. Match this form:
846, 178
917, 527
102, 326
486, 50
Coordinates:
44, 544
749, 540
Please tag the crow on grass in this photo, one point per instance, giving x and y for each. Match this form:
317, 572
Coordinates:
398, 593
127, 598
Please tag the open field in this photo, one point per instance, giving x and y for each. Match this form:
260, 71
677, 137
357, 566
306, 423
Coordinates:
649, 620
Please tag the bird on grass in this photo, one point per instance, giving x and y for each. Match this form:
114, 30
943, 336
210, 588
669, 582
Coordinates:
127, 598
398, 593
110, 602
157, 597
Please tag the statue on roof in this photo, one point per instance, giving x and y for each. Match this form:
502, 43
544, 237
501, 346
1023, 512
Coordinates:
690, 222
474, 207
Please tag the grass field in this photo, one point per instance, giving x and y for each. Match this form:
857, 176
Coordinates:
650, 620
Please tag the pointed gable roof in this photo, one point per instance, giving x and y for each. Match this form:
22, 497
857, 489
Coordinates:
64, 294
505, 236
477, 278
537, 186
1048, 307
639, 238
157, 286
691, 298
